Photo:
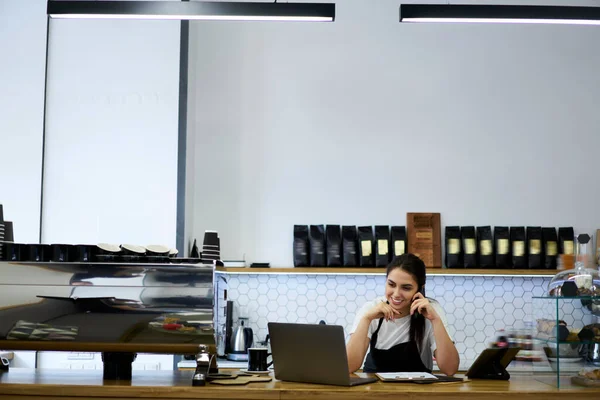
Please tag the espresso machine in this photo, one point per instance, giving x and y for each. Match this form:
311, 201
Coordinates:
119, 308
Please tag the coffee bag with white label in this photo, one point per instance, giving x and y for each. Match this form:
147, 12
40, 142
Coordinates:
566, 240
517, 244
349, 246
398, 245
382, 243
453, 247
502, 247
469, 245
317, 245
333, 236
365, 246
301, 249
535, 255
485, 247
549, 247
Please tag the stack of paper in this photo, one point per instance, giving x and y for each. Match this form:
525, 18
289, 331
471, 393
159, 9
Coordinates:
395, 376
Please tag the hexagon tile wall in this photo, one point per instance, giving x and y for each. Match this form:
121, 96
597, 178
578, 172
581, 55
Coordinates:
476, 307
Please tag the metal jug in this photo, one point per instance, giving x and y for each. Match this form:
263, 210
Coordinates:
241, 341
593, 353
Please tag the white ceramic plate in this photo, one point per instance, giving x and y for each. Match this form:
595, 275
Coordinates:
134, 248
157, 248
566, 359
255, 372
111, 248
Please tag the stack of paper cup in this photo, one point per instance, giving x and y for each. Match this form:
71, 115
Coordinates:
211, 247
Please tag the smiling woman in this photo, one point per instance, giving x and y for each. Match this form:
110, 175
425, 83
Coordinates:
402, 330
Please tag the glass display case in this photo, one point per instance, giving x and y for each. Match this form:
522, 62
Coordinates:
568, 332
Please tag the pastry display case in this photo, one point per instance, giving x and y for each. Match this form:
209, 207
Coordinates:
569, 335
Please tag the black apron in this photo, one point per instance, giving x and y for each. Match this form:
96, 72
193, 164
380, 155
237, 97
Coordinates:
403, 357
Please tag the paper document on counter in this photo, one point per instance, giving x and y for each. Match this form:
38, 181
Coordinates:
395, 376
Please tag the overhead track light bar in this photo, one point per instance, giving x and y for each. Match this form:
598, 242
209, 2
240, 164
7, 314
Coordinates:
481, 13
192, 10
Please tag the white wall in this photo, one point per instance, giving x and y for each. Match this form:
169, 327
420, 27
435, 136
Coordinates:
22, 49
365, 119
111, 137
111, 143
111, 146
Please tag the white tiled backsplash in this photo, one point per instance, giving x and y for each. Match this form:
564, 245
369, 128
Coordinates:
476, 307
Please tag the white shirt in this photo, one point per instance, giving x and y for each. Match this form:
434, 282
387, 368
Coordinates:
394, 332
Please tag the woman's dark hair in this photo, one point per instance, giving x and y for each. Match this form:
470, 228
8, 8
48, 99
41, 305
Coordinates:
416, 267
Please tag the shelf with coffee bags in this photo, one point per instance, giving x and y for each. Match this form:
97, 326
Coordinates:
381, 271
530, 251
504, 247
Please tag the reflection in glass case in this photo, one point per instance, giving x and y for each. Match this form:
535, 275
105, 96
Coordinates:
569, 334
154, 308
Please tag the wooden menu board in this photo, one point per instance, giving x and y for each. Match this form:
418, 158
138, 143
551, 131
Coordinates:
424, 237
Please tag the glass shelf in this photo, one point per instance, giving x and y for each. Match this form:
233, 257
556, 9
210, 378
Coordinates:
554, 341
523, 273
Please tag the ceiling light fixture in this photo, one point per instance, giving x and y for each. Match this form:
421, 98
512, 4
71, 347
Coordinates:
192, 10
514, 14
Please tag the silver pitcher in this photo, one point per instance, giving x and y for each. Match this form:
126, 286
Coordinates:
593, 353
241, 341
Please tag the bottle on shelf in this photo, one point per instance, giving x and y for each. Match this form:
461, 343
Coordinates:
501, 339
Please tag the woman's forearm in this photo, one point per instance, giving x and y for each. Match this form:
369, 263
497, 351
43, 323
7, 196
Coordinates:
357, 345
446, 354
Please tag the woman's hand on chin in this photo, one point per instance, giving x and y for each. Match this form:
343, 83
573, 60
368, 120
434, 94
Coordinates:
382, 310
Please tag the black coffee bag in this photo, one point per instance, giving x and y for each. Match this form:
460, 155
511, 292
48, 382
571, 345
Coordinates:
317, 246
566, 240
399, 243
535, 256
301, 248
485, 247
382, 243
333, 235
349, 246
469, 246
365, 246
502, 247
517, 244
453, 247
549, 247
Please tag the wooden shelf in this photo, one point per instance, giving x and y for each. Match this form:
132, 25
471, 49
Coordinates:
381, 271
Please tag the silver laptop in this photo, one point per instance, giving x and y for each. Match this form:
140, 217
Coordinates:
311, 354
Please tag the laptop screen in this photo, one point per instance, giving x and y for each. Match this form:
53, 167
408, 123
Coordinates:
309, 353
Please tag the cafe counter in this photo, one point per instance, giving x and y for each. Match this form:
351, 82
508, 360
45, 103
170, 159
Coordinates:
29, 384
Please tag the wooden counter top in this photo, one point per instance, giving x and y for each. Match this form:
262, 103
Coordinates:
28, 384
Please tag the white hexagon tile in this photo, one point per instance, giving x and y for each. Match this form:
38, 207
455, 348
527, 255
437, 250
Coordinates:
476, 307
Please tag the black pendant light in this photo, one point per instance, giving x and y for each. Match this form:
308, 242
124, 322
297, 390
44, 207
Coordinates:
192, 10
481, 13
